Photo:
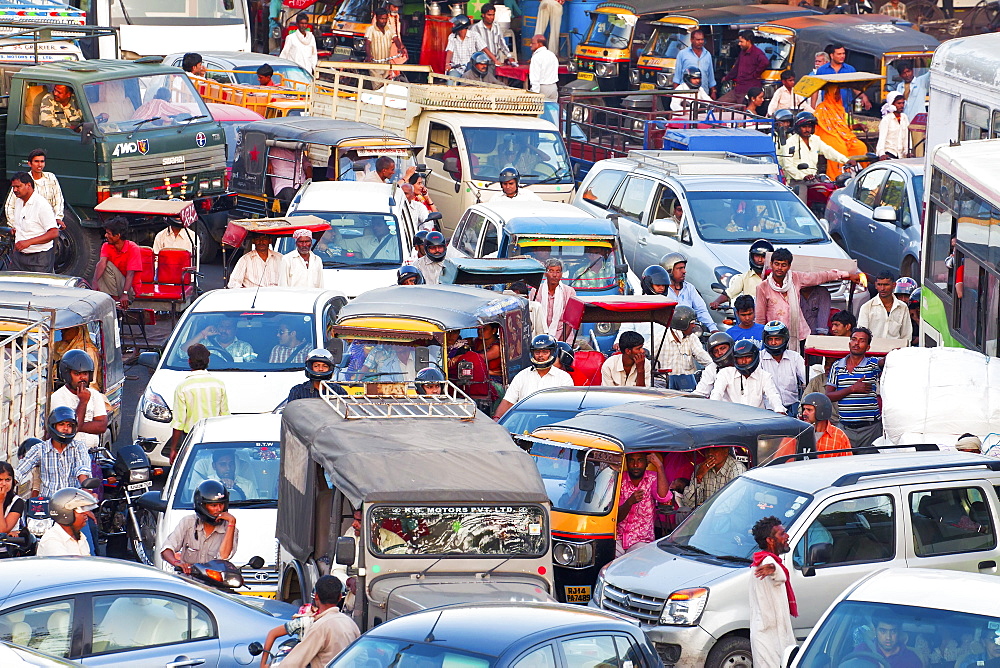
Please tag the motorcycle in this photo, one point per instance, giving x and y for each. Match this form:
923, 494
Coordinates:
126, 476
23, 544
819, 188
223, 574
277, 655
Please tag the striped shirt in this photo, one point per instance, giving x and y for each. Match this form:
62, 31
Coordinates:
462, 49
48, 187
381, 42
282, 354
492, 40
252, 272
679, 353
200, 395
57, 469
859, 406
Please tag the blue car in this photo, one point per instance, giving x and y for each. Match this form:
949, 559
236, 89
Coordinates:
562, 403
526, 635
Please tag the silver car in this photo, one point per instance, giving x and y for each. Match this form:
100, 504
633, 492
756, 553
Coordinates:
105, 612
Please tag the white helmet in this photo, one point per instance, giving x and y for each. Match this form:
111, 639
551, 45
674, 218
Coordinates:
67, 502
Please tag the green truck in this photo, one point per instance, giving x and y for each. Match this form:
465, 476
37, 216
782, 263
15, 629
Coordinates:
143, 132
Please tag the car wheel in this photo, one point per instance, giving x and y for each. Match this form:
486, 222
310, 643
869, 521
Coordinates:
731, 652
77, 248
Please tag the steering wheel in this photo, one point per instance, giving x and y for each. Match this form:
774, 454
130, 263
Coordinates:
865, 657
221, 352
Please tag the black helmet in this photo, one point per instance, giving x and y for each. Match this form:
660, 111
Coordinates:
435, 238
784, 115
914, 300
822, 404
210, 491
566, 356
319, 355
804, 118
428, 376
544, 342
75, 360
691, 73
62, 414
407, 272
682, 318
654, 275
760, 247
746, 348
419, 237
479, 58
26, 446
776, 328
717, 339
508, 174
460, 22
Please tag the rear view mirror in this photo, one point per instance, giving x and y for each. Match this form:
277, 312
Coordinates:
336, 348
255, 648
588, 476
665, 227
423, 357
718, 287
621, 268
884, 214
451, 166
345, 551
256, 563
421, 168
149, 359
358, 165
434, 215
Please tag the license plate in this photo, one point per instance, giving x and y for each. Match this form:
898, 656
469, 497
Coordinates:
577, 594
262, 594
646, 86
138, 485
342, 51
585, 76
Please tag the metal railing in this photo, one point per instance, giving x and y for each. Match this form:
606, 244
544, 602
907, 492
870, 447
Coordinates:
398, 400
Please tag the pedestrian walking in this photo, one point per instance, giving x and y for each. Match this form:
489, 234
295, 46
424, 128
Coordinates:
838, 65
46, 185
34, 225
698, 57
303, 268
120, 262
331, 631
261, 267
747, 70
886, 315
543, 70
641, 491
300, 45
772, 601
853, 385
913, 88
200, 395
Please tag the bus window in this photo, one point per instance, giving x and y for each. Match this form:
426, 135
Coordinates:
995, 129
974, 122
991, 314
940, 226
967, 282
994, 254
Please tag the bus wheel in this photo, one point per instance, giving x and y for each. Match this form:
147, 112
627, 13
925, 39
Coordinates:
77, 248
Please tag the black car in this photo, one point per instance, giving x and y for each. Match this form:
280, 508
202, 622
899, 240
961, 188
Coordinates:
562, 403
497, 635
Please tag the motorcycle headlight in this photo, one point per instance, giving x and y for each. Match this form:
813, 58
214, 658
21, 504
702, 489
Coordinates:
359, 43
154, 407
606, 328
724, 275
633, 77
684, 607
571, 66
138, 475
663, 80
573, 555
606, 69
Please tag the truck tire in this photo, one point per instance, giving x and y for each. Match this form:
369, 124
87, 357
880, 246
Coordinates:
77, 248
731, 652
209, 246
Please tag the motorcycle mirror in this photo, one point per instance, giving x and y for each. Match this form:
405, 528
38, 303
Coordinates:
255, 648
434, 215
256, 563
152, 501
802, 165
91, 483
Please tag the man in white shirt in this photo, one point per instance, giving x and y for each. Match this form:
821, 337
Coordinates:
35, 227
71, 509
175, 235
806, 147
541, 375
787, 368
260, 268
784, 98
543, 70
510, 188
385, 167
300, 46
417, 208
554, 295
745, 382
76, 369
691, 82
630, 368
885, 315
303, 268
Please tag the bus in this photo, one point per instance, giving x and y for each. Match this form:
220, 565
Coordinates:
964, 91
960, 300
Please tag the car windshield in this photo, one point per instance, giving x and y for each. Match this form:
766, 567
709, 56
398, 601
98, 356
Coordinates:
155, 101
560, 466
355, 240
374, 652
539, 155
668, 42
245, 340
743, 217
585, 267
359, 164
611, 31
777, 50
527, 420
721, 526
355, 11
384, 361
288, 75
457, 530
177, 12
248, 469
865, 634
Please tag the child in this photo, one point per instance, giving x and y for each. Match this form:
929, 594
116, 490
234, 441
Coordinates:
296, 626
746, 328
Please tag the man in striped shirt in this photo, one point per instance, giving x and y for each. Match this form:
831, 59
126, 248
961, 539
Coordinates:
198, 396
260, 268
853, 385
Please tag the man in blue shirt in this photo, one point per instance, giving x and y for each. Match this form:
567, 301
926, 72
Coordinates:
853, 385
696, 56
745, 327
683, 292
914, 89
837, 65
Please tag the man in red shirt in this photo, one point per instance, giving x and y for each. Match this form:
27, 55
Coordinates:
817, 409
120, 262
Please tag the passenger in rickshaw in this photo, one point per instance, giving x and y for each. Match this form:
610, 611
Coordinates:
641, 492
718, 467
473, 378
488, 345
387, 362
833, 129
288, 169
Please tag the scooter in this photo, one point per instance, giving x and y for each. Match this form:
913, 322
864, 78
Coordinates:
223, 574
277, 655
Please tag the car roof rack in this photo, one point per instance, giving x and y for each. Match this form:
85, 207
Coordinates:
704, 163
382, 400
853, 478
872, 450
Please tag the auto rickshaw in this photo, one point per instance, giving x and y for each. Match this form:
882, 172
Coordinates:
419, 498
582, 459
274, 158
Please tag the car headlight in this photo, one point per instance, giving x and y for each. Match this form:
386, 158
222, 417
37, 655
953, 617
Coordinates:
684, 607
724, 275
154, 408
573, 555
606, 69
663, 80
571, 66
606, 328
598, 596
633, 77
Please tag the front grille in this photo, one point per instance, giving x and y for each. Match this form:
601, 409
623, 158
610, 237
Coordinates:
265, 577
638, 606
251, 207
150, 167
584, 65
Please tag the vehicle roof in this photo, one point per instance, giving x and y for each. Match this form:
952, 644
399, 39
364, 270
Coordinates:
491, 629
509, 209
865, 33
345, 196
724, 184
744, 14
817, 475
913, 165
97, 70
432, 459
975, 58
73, 306
20, 576
699, 168
449, 306
510, 121
647, 7
683, 423
244, 427
589, 398
242, 58
491, 270
972, 593
288, 300
316, 130
232, 112
973, 164
582, 226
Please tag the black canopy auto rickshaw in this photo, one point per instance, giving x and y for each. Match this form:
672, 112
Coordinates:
581, 461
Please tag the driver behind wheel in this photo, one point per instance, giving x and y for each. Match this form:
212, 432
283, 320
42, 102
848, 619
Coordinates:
200, 395
222, 336
889, 643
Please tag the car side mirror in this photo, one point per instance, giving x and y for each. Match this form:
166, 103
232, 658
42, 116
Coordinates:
87, 134
884, 214
842, 179
421, 169
345, 550
451, 166
149, 359
819, 553
621, 268
825, 224
664, 227
229, 4
152, 501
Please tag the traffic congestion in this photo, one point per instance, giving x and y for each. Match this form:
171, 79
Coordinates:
543, 334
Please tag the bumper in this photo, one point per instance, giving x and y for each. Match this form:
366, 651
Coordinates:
161, 431
681, 646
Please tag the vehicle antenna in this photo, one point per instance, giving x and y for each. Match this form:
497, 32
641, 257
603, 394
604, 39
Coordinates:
430, 634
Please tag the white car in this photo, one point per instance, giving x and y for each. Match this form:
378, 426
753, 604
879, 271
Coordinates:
357, 255
245, 449
241, 354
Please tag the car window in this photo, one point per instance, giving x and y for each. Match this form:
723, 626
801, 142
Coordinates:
123, 622
467, 238
542, 657
949, 521
850, 531
42, 626
629, 653
490, 240
590, 652
632, 198
663, 209
248, 469
603, 186
894, 195
867, 187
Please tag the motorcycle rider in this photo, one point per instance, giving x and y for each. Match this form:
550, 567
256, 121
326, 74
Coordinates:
331, 630
209, 534
429, 380
319, 367
71, 508
409, 275
804, 148
541, 374
478, 69
691, 80
747, 282
63, 460
655, 280
720, 349
431, 264
510, 188
745, 382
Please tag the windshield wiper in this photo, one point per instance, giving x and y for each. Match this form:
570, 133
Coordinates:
689, 548
193, 118
254, 503
139, 124
550, 179
734, 558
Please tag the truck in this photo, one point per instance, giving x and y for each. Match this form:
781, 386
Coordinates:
470, 132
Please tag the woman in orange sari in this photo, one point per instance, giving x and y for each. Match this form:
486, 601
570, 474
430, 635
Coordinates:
832, 128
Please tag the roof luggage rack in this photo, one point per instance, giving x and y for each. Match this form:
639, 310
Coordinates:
704, 163
398, 400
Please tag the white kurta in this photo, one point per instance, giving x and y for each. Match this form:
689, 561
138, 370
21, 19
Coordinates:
770, 620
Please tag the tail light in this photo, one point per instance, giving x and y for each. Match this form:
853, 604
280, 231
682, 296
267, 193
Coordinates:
103, 193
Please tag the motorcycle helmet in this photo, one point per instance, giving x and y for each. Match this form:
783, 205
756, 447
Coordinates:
689, 74
821, 402
435, 238
319, 355
670, 259
67, 502
75, 360
566, 356
776, 328
479, 58
459, 23
746, 348
428, 376
508, 174
784, 116
210, 491
26, 446
761, 247
804, 118
905, 286
914, 300
682, 318
544, 342
654, 275
407, 272
419, 237
715, 342
62, 414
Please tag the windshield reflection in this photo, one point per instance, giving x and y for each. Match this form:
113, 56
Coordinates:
383, 361
560, 466
539, 155
667, 43
744, 217
584, 267
123, 105
610, 30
